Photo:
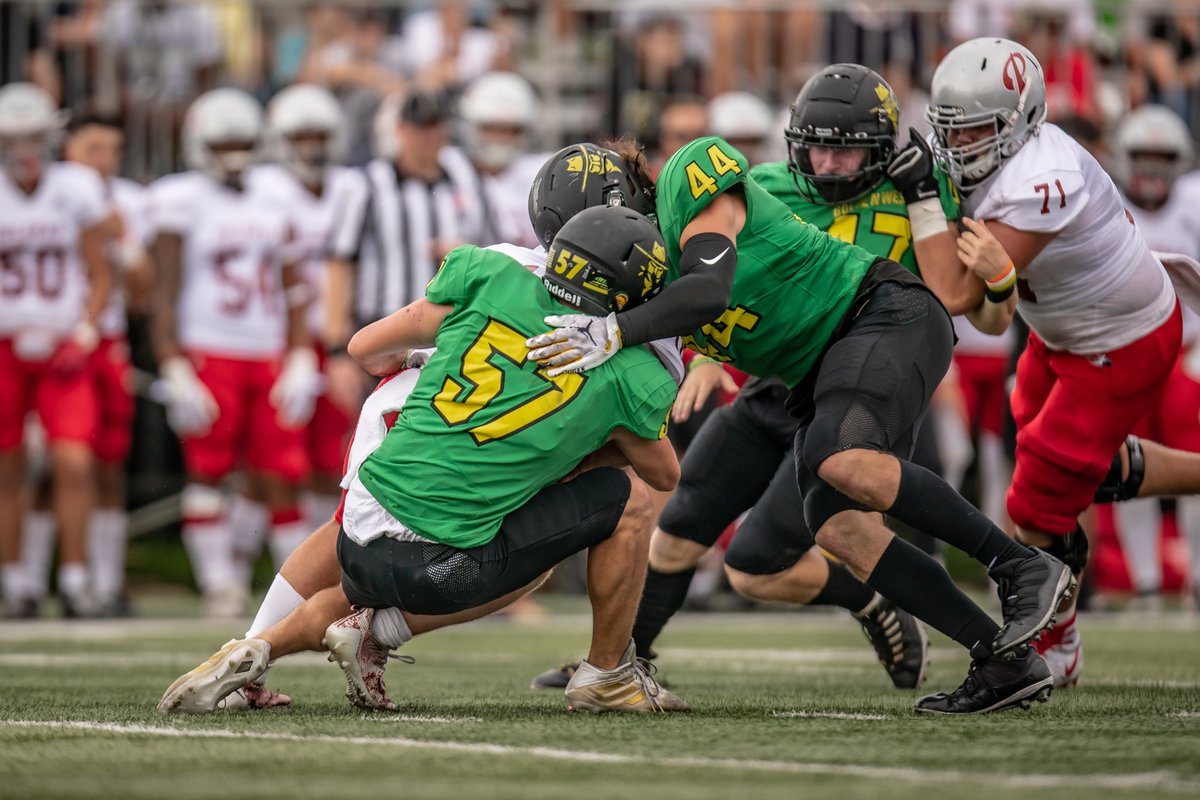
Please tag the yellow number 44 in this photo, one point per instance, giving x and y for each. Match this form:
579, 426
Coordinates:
701, 181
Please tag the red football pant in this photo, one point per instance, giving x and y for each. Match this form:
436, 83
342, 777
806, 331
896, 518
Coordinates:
981, 379
111, 373
66, 404
1072, 414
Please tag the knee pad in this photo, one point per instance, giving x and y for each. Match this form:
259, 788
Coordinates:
201, 502
1071, 549
1114, 489
822, 502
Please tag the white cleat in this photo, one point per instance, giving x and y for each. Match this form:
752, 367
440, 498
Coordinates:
363, 659
1062, 648
630, 688
202, 690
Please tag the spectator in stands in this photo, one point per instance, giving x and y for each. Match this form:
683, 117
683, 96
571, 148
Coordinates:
649, 67
441, 49
26, 55
682, 119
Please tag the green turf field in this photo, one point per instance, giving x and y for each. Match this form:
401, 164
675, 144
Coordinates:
787, 706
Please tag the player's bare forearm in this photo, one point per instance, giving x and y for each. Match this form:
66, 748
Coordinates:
992, 318
653, 460
296, 293
609, 455
959, 289
415, 325
167, 253
99, 270
336, 312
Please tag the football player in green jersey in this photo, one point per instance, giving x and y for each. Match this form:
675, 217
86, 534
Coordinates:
493, 474
861, 343
842, 137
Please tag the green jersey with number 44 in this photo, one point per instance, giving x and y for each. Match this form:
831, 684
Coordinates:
793, 283
485, 429
878, 222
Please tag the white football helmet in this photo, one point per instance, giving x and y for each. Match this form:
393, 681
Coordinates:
1152, 149
741, 117
497, 100
226, 117
30, 126
985, 82
300, 110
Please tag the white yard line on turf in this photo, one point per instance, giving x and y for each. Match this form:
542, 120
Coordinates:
1187, 714
1162, 780
827, 715
407, 718
799, 655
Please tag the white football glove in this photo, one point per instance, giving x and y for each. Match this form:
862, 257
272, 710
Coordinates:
579, 342
191, 408
294, 393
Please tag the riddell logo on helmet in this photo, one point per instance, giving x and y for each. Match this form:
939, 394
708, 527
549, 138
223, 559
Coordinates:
566, 296
1014, 73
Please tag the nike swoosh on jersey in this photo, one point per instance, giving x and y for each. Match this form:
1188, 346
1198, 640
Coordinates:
714, 259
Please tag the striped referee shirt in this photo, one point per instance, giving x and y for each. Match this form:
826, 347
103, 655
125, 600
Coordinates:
393, 234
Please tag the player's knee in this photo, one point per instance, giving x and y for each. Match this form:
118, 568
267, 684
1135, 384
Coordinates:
822, 504
669, 553
860, 475
638, 516
71, 461
202, 502
752, 587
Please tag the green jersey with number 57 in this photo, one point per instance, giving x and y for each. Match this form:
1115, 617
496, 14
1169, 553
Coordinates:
793, 283
878, 222
485, 429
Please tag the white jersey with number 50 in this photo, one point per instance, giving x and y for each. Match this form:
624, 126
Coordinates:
43, 280
1095, 287
231, 302
313, 220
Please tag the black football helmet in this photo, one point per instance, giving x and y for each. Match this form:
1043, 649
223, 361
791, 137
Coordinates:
606, 259
844, 105
583, 176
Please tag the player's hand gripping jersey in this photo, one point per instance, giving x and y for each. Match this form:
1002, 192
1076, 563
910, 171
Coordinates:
1095, 287
793, 283
43, 281
878, 222
485, 429
231, 302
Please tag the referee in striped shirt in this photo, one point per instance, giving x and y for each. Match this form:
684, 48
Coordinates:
419, 206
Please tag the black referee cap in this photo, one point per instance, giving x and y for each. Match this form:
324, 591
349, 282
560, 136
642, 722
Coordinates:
425, 108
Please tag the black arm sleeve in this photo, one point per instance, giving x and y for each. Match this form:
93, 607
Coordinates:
697, 298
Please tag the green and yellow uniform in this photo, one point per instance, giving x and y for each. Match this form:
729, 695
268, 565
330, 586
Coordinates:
793, 283
877, 222
484, 429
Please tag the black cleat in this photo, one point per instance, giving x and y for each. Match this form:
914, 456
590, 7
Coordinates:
995, 683
899, 640
1030, 592
22, 608
556, 678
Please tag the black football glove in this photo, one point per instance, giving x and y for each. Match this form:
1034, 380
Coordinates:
912, 170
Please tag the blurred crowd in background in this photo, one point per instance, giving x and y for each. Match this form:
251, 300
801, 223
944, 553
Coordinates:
569, 70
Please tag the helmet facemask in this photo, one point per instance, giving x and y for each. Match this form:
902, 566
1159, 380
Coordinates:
837, 189
1152, 173
307, 154
24, 156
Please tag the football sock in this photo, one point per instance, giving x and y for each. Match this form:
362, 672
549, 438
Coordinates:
209, 545
72, 580
249, 522
319, 508
662, 596
390, 628
995, 474
288, 531
281, 599
106, 542
37, 550
13, 582
928, 503
844, 590
923, 588
1188, 511
1138, 528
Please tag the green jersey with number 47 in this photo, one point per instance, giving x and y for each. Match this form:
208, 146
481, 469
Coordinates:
793, 283
878, 222
485, 429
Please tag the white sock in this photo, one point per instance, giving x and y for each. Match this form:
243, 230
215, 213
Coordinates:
249, 522
390, 628
318, 508
13, 582
954, 444
1188, 511
72, 580
210, 547
995, 474
285, 538
281, 600
1138, 527
37, 550
106, 542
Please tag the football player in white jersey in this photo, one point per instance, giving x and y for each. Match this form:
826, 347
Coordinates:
98, 142
1104, 316
239, 376
54, 283
306, 134
1153, 153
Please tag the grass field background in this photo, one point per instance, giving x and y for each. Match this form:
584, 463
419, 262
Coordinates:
786, 705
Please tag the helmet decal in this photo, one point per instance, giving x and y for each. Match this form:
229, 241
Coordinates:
1014, 72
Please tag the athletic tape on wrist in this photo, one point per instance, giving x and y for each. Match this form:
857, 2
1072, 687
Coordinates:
927, 218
